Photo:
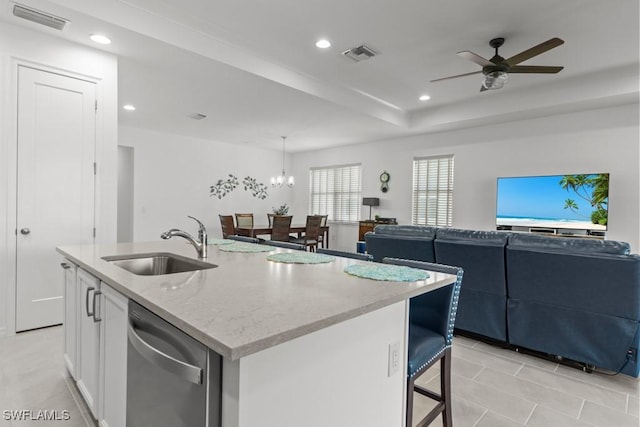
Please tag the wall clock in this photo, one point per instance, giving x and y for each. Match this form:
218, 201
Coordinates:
384, 181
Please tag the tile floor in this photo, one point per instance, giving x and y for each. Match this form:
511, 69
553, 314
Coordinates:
492, 387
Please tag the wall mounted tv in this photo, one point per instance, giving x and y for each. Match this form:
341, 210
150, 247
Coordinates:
574, 202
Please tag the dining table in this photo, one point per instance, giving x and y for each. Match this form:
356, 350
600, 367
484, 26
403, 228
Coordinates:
265, 230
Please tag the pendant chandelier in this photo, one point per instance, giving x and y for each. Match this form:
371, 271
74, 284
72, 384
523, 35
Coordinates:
282, 179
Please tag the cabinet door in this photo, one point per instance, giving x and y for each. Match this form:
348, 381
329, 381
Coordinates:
113, 357
89, 346
70, 317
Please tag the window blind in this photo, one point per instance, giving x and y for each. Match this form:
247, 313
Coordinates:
336, 192
432, 191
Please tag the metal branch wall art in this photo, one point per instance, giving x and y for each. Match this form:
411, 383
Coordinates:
257, 189
226, 186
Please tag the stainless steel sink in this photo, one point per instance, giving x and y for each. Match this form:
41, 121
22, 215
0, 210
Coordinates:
157, 263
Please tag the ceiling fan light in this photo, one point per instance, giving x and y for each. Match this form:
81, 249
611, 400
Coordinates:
495, 80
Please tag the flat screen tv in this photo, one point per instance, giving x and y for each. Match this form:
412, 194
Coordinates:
575, 202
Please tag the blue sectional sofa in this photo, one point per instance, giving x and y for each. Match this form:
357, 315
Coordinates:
572, 298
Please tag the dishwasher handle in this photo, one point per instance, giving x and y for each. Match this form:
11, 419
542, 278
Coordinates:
177, 367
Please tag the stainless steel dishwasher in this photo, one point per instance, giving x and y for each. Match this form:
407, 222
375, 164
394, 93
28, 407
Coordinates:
172, 379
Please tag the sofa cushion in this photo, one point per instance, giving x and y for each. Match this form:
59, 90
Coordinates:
415, 231
569, 244
607, 284
401, 241
497, 237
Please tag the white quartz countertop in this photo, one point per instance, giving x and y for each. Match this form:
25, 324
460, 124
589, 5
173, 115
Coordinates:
247, 303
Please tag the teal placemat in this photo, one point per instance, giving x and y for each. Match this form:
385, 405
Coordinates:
300, 257
219, 242
246, 247
392, 273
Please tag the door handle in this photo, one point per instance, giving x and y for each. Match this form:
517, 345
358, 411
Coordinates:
86, 300
65, 265
96, 318
25, 231
183, 370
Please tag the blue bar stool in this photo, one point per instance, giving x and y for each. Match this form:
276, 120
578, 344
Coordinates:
431, 320
361, 257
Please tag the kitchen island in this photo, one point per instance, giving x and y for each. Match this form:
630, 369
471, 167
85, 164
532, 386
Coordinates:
301, 344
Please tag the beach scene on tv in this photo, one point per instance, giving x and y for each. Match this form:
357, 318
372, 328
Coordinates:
577, 202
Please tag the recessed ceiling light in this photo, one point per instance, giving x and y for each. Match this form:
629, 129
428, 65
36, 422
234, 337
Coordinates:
424, 98
99, 38
323, 43
129, 107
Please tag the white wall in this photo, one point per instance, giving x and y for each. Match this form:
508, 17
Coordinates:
19, 45
173, 175
125, 194
599, 140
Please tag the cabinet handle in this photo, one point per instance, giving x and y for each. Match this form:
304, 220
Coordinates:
86, 300
65, 265
96, 318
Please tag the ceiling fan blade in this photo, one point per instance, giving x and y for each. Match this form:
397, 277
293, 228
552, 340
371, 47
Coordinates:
534, 51
455, 77
535, 69
473, 57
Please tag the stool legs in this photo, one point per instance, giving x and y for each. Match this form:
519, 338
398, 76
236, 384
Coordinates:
444, 398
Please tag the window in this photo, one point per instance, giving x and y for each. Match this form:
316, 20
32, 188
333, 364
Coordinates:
432, 191
336, 191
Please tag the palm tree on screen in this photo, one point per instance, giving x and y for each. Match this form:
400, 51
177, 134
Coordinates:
592, 188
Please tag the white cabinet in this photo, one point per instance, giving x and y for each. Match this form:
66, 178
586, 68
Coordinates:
113, 311
87, 371
70, 320
95, 344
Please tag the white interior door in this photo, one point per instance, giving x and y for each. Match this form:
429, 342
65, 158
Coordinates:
55, 187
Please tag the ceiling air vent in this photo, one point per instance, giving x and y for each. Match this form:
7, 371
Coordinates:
39, 17
359, 53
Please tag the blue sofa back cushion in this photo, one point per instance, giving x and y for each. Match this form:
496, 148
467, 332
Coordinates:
483, 237
569, 244
393, 241
593, 283
415, 231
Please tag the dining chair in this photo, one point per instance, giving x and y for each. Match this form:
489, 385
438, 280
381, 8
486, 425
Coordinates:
285, 245
228, 229
431, 320
280, 228
322, 236
270, 219
354, 255
244, 220
311, 233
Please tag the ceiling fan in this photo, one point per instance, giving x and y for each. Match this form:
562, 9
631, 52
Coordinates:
497, 69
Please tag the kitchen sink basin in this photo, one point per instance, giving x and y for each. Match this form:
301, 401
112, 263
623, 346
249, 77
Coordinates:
158, 263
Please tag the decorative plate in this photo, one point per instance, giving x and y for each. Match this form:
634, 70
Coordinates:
217, 242
246, 247
391, 273
300, 257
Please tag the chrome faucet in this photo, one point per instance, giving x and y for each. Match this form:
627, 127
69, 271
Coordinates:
200, 244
